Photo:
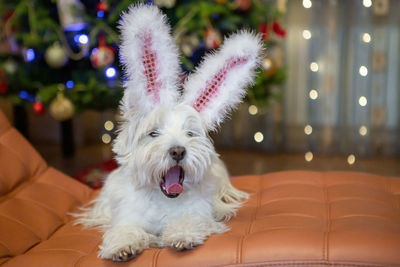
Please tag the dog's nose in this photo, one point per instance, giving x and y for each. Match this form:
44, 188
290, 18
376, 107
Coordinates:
177, 152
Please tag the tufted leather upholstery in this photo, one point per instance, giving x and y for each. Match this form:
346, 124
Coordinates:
296, 218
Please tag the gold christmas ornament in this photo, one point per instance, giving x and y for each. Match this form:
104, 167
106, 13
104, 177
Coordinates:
10, 66
165, 3
55, 56
61, 108
189, 44
269, 66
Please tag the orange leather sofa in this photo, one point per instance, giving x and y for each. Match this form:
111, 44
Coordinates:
296, 218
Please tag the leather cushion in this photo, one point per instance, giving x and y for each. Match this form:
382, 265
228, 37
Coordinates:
293, 218
19, 161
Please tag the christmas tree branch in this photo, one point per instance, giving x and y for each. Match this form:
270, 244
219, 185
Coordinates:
179, 28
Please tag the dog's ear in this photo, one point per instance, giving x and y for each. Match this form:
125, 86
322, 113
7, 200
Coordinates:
150, 60
220, 82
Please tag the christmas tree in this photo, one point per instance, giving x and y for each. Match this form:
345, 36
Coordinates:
64, 53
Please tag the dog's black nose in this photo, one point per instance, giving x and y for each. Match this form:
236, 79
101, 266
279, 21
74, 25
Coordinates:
177, 152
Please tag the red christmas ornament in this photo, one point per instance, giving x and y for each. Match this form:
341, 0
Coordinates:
3, 83
212, 38
38, 108
102, 6
277, 28
3, 87
243, 5
103, 55
263, 29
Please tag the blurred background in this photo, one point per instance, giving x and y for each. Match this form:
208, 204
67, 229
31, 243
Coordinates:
326, 97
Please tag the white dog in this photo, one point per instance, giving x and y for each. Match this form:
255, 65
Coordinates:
171, 188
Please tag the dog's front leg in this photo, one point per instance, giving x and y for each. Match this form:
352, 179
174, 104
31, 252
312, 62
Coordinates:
190, 230
124, 242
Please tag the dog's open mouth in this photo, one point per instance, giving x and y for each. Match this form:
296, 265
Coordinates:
171, 184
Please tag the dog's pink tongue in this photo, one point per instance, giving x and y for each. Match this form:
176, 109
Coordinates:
172, 184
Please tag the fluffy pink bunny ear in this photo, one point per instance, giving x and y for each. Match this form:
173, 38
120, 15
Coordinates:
220, 82
150, 59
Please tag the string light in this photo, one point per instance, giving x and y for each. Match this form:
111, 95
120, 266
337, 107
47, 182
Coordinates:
106, 138
313, 94
363, 71
366, 38
314, 66
267, 63
30, 55
83, 39
111, 72
367, 3
100, 14
351, 159
69, 84
109, 125
308, 129
308, 156
306, 34
362, 101
258, 137
24, 95
363, 130
253, 110
307, 3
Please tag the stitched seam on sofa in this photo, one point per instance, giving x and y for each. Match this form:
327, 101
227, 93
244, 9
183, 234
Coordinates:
80, 259
155, 257
42, 206
390, 193
368, 216
293, 198
328, 218
22, 224
20, 186
39, 250
47, 238
291, 214
361, 198
240, 243
311, 263
60, 224
2, 185
8, 249
355, 174
288, 184
72, 234
62, 189
323, 202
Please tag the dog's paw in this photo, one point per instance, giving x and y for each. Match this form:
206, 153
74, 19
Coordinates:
126, 254
183, 240
124, 243
182, 245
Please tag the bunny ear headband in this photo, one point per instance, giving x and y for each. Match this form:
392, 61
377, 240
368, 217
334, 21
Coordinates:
151, 62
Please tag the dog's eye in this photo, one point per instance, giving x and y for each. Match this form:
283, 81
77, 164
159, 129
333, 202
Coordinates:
190, 134
154, 134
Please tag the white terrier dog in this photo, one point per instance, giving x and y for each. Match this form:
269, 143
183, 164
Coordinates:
171, 188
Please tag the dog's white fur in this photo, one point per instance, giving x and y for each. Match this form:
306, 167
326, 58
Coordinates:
131, 209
